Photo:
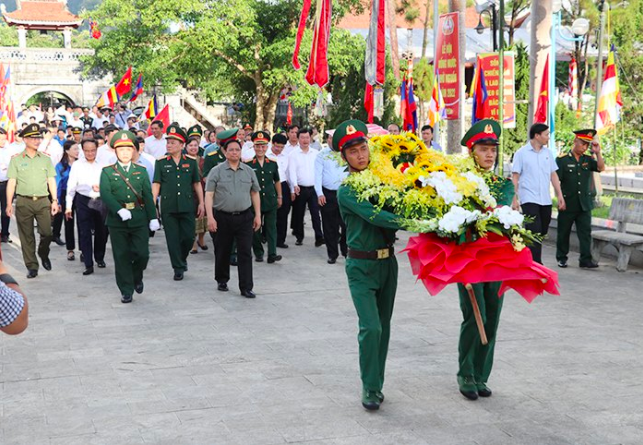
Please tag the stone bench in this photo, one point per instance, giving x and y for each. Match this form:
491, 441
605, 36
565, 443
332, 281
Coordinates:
623, 211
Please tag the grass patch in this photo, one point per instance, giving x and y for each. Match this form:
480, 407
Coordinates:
603, 210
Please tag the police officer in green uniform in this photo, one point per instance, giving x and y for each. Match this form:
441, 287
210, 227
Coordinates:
371, 266
271, 198
475, 359
32, 178
176, 179
575, 173
125, 190
195, 131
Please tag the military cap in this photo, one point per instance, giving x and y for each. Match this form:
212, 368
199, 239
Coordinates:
260, 137
31, 131
485, 131
195, 131
247, 127
585, 135
349, 133
123, 138
174, 131
227, 135
85, 108
76, 130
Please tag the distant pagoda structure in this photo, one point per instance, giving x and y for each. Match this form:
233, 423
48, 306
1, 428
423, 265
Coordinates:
43, 16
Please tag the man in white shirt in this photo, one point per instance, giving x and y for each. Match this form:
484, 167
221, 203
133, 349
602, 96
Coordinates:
7, 151
301, 176
145, 159
97, 124
277, 154
106, 154
156, 144
83, 186
51, 147
293, 139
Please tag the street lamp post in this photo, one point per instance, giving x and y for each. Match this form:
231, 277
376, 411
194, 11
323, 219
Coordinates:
493, 17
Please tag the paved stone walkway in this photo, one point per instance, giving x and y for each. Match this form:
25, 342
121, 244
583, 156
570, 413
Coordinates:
187, 364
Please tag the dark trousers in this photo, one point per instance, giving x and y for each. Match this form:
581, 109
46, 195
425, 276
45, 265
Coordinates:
90, 221
230, 228
540, 225
130, 246
282, 213
308, 196
3, 208
59, 220
179, 236
28, 211
269, 230
334, 228
583, 221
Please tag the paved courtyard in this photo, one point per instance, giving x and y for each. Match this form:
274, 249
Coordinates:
187, 364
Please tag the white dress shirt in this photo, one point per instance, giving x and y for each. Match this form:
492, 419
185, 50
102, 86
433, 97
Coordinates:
329, 174
155, 147
105, 155
83, 176
6, 153
53, 149
301, 168
282, 163
289, 148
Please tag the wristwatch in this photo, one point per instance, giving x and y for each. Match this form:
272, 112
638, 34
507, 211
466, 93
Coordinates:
8, 279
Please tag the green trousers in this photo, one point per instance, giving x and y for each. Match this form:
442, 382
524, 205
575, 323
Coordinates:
583, 222
373, 284
131, 250
179, 236
270, 226
476, 359
28, 210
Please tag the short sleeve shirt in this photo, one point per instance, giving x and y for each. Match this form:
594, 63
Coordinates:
535, 169
11, 304
232, 187
31, 174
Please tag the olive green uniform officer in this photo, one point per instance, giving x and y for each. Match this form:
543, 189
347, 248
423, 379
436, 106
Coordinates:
267, 173
575, 170
371, 266
125, 190
195, 132
475, 359
176, 180
32, 178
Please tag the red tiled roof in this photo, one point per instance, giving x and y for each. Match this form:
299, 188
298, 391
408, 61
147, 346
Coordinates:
361, 21
43, 12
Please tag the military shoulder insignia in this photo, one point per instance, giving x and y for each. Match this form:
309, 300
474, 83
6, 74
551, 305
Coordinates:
213, 153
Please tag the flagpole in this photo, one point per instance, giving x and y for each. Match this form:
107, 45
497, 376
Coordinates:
615, 162
436, 18
501, 85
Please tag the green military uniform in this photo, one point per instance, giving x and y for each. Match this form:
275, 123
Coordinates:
217, 157
268, 176
475, 359
130, 238
371, 269
575, 183
32, 201
177, 202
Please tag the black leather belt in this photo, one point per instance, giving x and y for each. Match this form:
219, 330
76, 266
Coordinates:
379, 254
234, 213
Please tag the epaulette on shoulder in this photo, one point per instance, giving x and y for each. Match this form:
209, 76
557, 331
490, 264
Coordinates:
109, 166
563, 154
212, 153
162, 157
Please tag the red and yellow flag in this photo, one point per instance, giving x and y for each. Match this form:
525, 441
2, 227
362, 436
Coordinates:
610, 101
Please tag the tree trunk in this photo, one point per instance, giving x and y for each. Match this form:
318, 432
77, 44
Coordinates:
270, 111
261, 104
541, 12
392, 27
456, 126
425, 34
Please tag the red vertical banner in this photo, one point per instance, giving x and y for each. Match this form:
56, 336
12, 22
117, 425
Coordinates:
448, 63
490, 64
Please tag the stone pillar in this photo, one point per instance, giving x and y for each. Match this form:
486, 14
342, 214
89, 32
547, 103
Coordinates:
67, 37
22, 37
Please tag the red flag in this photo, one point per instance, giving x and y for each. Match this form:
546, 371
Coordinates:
368, 102
543, 98
289, 115
93, 30
317, 73
300, 33
163, 116
481, 107
138, 90
125, 85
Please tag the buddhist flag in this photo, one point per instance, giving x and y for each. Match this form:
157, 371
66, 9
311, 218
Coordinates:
437, 108
93, 30
138, 89
542, 108
125, 85
108, 98
7, 110
151, 109
610, 101
481, 108
163, 116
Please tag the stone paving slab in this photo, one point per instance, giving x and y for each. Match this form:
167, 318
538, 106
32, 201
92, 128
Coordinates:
185, 364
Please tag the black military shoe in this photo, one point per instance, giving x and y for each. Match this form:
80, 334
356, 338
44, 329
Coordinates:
562, 264
380, 396
126, 299
370, 401
178, 275
46, 264
282, 246
483, 390
299, 242
331, 260
6, 239
248, 294
590, 265
273, 258
138, 287
320, 242
59, 241
259, 259
233, 260
32, 273
222, 287
468, 387
101, 264
88, 270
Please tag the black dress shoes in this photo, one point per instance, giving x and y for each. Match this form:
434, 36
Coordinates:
6, 239
126, 299
101, 264
139, 287
59, 241
299, 242
46, 264
259, 259
233, 260
273, 258
178, 275
331, 260
88, 270
590, 265
222, 287
248, 294
32, 273
319, 242
562, 264
282, 246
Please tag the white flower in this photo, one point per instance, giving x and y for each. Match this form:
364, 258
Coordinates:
483, 189
456, 217
508, 217
444, 187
